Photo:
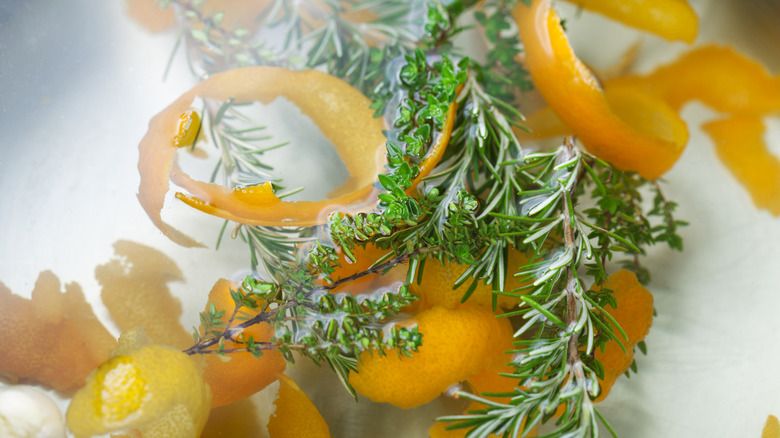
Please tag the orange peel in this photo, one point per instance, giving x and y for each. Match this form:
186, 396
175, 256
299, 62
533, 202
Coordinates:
771, 428
243, 375
295, 415
740, 145
438, 279
670, 19
364, 258
718, 76
341, 112
409, 382
618, 126
438, 148
634, 313
54, 338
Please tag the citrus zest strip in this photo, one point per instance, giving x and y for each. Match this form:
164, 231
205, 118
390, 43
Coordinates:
670, 19
341, 112
718, 76
740, 145
436, 151
627, 137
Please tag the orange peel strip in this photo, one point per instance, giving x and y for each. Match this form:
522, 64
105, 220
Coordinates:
634, 313
436, 151
336, 108
740, 145
576, 97
718, 76
673, 20
295, 415
244, 374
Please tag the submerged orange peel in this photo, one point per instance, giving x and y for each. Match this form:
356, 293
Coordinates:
243, 375
341, 112
740, 145
295, 415
409, 382
718, 76
438, 148
620, 126
634, 313
671, 19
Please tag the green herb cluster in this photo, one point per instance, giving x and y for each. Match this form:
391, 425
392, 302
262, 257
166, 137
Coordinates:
576, 216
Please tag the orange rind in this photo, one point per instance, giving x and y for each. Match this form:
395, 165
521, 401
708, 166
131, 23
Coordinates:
634, 313
717, 76
739, 143
295, 415
673, 20
771, 428
437, 149
53, 338
242, 375
154, 389
619, 126
436, 287
341, 112
408, 382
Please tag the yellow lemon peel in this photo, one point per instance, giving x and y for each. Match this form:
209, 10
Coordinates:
155, 389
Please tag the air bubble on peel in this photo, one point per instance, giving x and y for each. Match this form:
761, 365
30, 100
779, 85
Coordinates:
453, 390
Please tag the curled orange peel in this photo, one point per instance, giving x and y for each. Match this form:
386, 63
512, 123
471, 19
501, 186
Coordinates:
620, 126
718, 76
341, 112
740, 145
438, 148
673, 20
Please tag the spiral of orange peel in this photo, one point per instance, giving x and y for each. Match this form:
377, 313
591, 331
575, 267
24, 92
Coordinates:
670, 19
341, 112
624, 126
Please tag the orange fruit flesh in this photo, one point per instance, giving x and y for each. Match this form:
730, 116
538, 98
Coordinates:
243, 375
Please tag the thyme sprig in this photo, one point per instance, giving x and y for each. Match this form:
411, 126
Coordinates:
307, 319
